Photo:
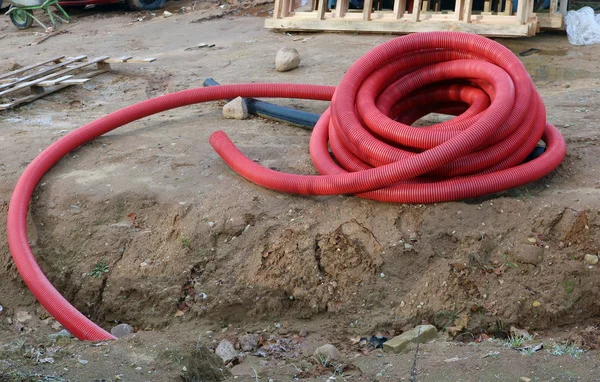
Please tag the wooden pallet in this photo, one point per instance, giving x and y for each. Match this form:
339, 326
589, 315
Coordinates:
407, 16
35, 81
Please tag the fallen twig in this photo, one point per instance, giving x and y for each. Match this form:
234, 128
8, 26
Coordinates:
46, 37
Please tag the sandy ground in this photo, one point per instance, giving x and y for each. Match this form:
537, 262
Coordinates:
212, 256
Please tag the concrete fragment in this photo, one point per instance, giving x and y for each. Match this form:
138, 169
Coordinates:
236, 109
420, 334
226, 351
287, 59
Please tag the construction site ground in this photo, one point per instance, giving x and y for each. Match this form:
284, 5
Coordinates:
195, 254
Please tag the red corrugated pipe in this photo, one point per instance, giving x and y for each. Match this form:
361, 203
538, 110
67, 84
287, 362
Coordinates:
500, 118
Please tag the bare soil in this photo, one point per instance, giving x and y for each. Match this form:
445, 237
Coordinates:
197, 254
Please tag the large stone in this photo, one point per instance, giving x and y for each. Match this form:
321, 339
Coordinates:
327, 352
420, 334
226, 351
121, 330
236, 109
248, 342
287, 59
590, 259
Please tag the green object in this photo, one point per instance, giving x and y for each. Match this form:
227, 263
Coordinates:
22, 16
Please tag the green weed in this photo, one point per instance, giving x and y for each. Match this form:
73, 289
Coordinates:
99, 269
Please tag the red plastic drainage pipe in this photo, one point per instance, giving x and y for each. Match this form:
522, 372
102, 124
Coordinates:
500, 118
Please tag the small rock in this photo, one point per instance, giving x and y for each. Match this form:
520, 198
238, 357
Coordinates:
529, 254
408, 246
536, 304
226, 351
590, 259
525, 379
328, 351
23, 316
46, 360
287, 59
236, 109
62, 334
1, 309
420, 334
167, 14
248, 342
83, 361
121, 330
303, 333
516, 332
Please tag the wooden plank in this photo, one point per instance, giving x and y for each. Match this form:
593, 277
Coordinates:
487, 6
54, 82
508, 7
458, 9
322, 9
53, 75
42, 72
71, 81
341, 8
468, 8
553, 21
562, 7
399, 8
45, 92
23, 70
553, 6
400, 27
30, 98
416, 11
119, 60
425, 6
522, 11
437, 5
285, 8
367, 9
277, 9
388, 16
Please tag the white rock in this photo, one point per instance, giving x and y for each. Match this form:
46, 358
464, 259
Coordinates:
23, 316
236, 109
287, 59
226, 351
121, 330
327, 351
591, 259
167, 14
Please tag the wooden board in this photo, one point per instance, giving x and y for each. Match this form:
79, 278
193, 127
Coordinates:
52, 75
492, 21
56, 60
400, 27
43, 72
46, 91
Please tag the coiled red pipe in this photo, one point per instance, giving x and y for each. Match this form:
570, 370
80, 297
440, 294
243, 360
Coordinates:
377, 154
